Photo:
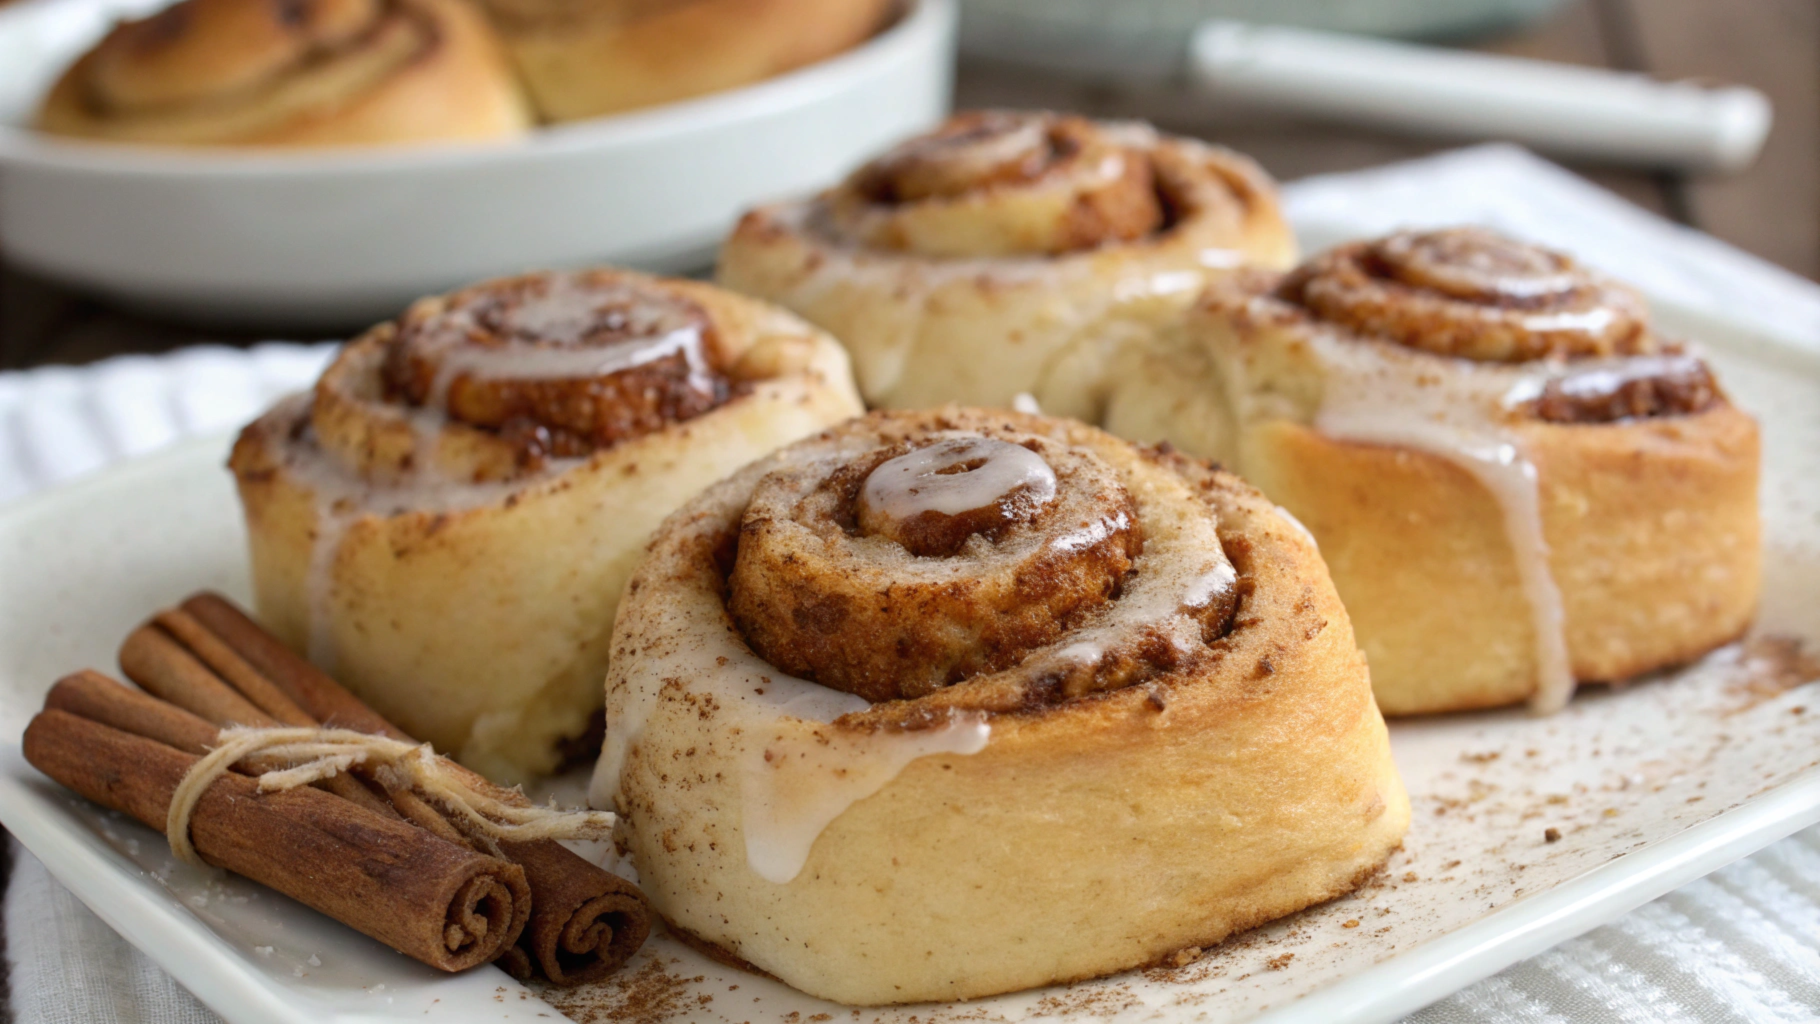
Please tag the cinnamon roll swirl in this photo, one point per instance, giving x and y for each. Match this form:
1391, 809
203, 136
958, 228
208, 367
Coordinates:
292, 73
585, 58
1009, 253
861, 686
1517, 483
446, 521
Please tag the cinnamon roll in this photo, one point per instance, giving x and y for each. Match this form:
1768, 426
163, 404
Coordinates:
1517, 483
446, 521
292, 73
934, 705
585, 58
1009, 253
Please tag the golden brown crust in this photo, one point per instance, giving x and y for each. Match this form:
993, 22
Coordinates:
1010, 252
292, 73
583, 58
1253, 772
466, 590
1466, 495
1652, 533
999, 183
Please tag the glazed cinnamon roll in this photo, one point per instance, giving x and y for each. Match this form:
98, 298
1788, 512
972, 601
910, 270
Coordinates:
934, 705
292, 73
1517, 483
1009, 253
585, 58
446, 521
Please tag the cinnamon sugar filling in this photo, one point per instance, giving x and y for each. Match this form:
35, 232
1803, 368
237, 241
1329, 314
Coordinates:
969, 572
560, 365
1001, 183
1471, 294
1679, 385
284, 59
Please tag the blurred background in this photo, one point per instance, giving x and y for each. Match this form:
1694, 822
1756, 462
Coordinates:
1123, 60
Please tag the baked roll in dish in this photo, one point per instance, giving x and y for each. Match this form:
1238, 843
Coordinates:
292, 73
446, 521
1009, 252
1515, 481
935, 705
585, 58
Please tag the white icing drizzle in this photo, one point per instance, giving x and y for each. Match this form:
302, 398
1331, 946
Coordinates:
519, 360
795, 786
546, 338
792, 796
1602, 377
552, 332
1165, 597
342, 498
795, 779
1383, 395
1165, 594
332, 524
1203, 589
914, 483
1090, 533
1008, 141
569, 309
1307, 534
1594, 321
1168, 282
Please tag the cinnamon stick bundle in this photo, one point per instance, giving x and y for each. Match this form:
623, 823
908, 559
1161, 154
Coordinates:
442, 903
585, 922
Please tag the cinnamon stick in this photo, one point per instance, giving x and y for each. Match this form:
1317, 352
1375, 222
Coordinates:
439, 902
162, 666
322, 697
93, 696
585, 920
166, 668
99, 699
230, 666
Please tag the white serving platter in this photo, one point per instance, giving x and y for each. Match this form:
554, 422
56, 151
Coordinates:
1648, 787
342, 238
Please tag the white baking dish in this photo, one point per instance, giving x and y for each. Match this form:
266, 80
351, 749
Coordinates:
334, 239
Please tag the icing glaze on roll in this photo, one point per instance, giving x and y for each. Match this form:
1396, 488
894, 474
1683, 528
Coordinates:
448, 518
983, 732
1526, 334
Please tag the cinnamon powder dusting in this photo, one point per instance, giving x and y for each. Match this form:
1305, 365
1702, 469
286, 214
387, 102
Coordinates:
651, 994
1506, 805
1773, 666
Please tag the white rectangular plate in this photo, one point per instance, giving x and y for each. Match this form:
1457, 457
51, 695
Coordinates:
1647, 788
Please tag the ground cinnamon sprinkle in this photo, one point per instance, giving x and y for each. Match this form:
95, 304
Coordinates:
649, 995
1773, 665
1086, 1001
1681, 748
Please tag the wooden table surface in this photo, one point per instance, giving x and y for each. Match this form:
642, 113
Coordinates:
1771, 209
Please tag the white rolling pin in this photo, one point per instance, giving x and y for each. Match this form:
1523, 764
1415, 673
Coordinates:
1559, 108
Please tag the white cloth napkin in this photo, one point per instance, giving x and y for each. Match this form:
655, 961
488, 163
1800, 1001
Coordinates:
1739, 945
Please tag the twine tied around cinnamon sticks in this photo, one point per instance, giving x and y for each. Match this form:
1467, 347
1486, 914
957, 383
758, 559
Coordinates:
254, 760
317, 754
